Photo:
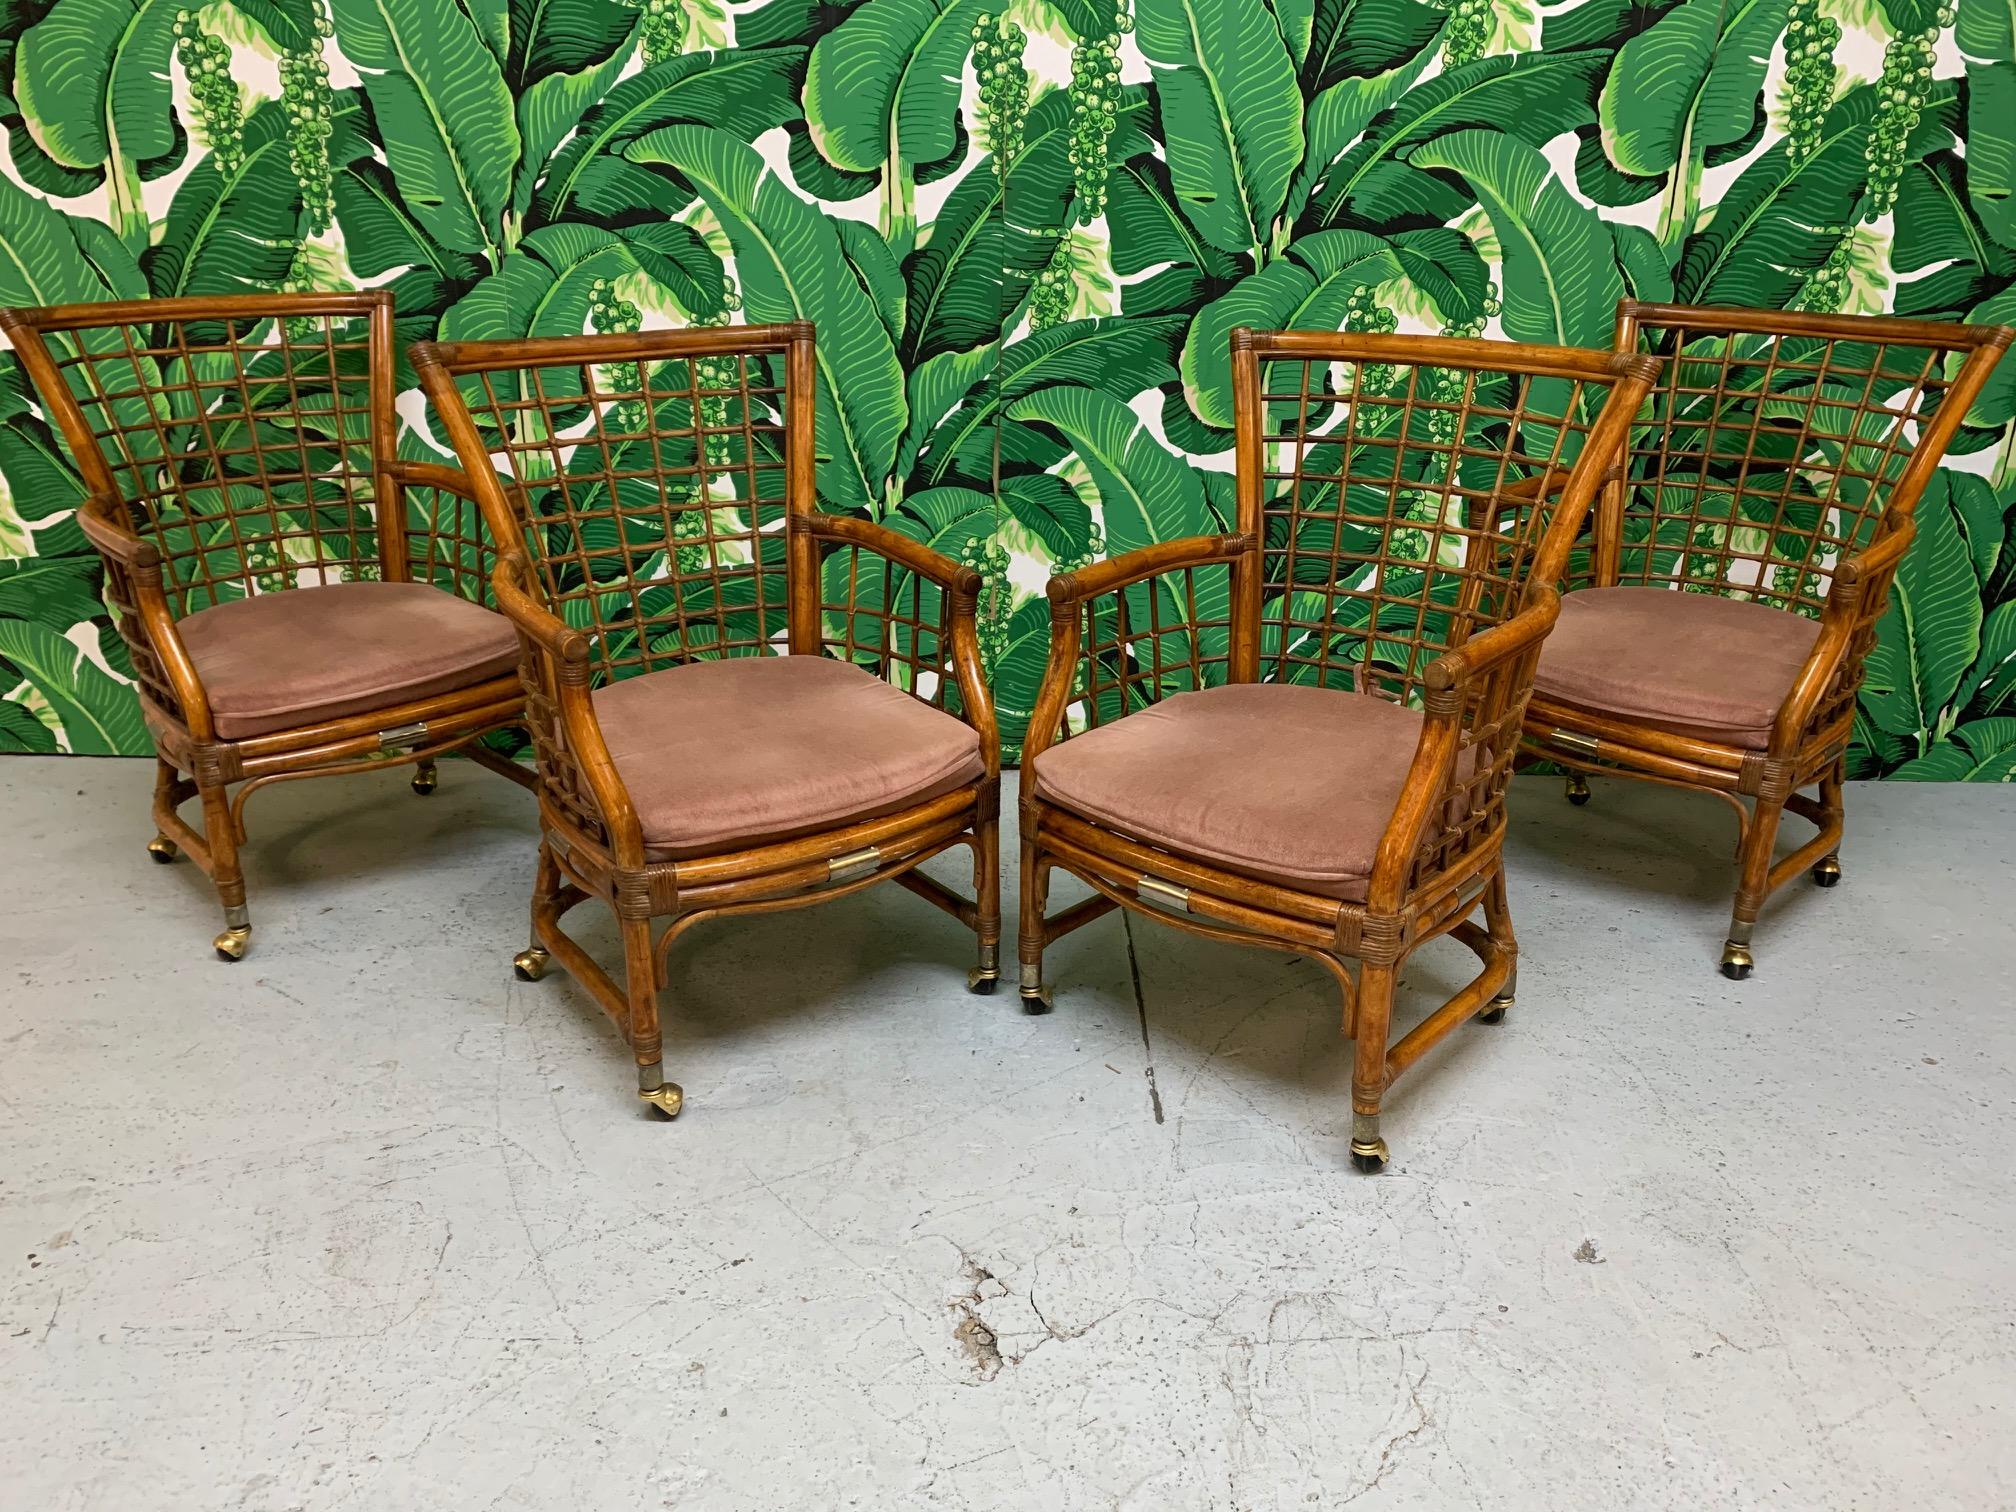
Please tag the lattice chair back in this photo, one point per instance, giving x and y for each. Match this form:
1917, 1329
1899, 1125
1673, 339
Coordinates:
1777, 445
244, 439
647, 479
1400, 491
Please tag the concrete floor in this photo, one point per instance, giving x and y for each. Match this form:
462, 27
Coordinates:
362, 1223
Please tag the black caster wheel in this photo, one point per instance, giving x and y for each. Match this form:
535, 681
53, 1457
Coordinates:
1495, 1014
1827, 873
1370, 1162
1737, 963
162, 850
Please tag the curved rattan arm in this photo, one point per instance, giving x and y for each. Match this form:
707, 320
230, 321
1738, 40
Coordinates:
137, 566
1833, 668
468, 578
959, 650
1144, 562
1069, 592
1458, 707
558, 664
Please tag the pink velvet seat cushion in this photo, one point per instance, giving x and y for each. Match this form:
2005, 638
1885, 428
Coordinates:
719, 755
278, 661
1686, 663
1284, 783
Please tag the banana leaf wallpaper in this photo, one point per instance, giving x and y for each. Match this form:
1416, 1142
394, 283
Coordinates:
1024, 233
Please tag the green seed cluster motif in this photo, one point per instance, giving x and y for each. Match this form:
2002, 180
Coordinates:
1050, 297
1095, 548
1826, 287
1810, 40
1900, 96
220, 110
1469, 30
1363, 312
305, 97
610, 314
663, 34
989, 558
1095, 108
998, 45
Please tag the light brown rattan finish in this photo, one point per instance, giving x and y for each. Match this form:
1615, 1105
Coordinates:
1405, 506
1780, 461
655, 493
234, 446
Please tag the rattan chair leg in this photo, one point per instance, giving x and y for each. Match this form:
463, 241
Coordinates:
1368, 1072
1498, 921
220, 833
1753, 886
985, 976
425, 777
530, 964
1827, 870
640, 986
161, 848
1030, 940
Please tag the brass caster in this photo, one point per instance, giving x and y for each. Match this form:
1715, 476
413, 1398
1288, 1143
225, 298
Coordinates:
1494, 1011
982, 983
1369, 1155
1037, 1002
1578, 789
1827, 872
425, 778
1737, 962
233, 943
530, 965
163, 850
664, 1100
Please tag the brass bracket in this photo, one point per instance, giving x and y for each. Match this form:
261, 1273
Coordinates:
1168, 894
854, 864
1575, 740
402, 737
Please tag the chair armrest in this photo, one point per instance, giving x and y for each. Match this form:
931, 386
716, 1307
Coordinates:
1452, 670
573, 756
1474, 705
1144, 562
432, 475
453, 548
532, 619
957, 649
1072, 593
1833, 668
136, 565
933, 566
124, 547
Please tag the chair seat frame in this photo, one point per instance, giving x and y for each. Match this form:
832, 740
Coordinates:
607, 860
1812, 727
193, 761
1470, 695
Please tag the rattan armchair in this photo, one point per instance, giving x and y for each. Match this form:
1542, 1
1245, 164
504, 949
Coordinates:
739, 704
1297, 735
295, 599
1717, 626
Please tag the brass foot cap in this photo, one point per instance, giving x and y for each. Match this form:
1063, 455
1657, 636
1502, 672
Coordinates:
1827, 872
1494, 1011
233, 943
665, 1101
424, 783
530, 965
1369, 1155
1578, 790
162, 849
1736, 961
982, 982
